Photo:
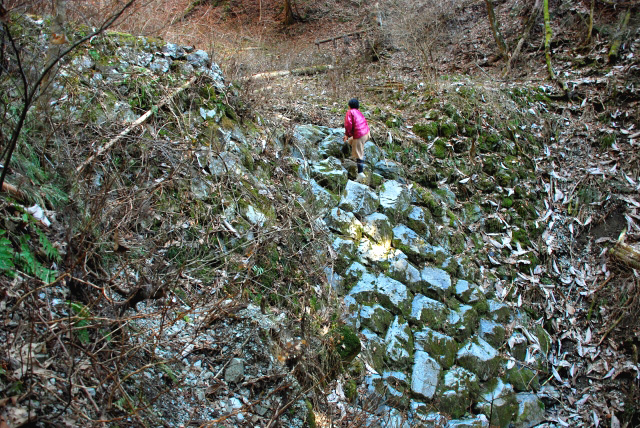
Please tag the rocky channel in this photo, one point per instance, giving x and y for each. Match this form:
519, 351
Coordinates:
435, 332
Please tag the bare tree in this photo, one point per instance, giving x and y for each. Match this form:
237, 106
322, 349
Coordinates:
34, 76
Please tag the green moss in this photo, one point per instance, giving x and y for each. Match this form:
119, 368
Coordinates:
507, 202
311, 417
351, 390
426, 131
481, 306
347, 342
448, 129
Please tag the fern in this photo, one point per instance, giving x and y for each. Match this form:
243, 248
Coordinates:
6, 255
84, 314
49, 249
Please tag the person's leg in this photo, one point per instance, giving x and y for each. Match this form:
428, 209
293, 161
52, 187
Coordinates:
358, 151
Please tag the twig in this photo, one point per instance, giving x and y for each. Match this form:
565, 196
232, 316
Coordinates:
614, 325
135, 124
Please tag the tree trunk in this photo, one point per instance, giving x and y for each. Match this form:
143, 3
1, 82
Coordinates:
495, 29
590, 30
288, 13
615, 46
547, 47
525, 34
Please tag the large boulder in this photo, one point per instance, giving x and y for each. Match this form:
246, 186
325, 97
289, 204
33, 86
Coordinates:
393, 295
399, 343
492, 332
418, 219
329, 173
480, 358
400, 268
498, 402
375, 318
395, 199
378, 227
462, 322
389, 169
428, 311
409, 242
425, 375
530, 410
437, 282
359, 199
344, 223
457, 391
372, 153
443, 348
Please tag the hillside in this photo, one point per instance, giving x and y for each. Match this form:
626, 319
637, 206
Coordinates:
184, 243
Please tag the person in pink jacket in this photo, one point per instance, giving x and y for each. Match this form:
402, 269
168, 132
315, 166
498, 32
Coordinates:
356, 133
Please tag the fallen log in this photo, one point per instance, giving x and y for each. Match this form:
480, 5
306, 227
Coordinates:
626, 254
302, 71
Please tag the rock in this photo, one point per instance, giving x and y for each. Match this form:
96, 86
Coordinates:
480, 358
173, 51
373, 350
457, 391
409, 242
402, 270
518, 345
372, 153
198, 59
429, 311
463, 290
492, 332
462, 322
331, 145
443, 348
365, 289
423, 416
234, 372
334, 280
522, 378
498, 402
310, 135
378, 227
160, 65
371, 252
530, 410
210, 114
255, 216
329, 173
437, 282
323, 199
376, 318
425, 375
395, 199
399, 343
357, 271
389, 169
418, 219
479, 421
359, 199
215, 74
498, 311
345, 223
393, 295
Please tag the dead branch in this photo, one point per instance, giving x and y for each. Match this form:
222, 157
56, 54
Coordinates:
135, 124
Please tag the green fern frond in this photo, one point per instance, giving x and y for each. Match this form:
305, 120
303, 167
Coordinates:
49, 249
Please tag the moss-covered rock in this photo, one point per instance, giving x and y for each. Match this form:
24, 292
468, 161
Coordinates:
441, 347
347, 343
457, 391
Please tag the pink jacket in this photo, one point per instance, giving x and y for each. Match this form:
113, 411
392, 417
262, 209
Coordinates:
355, 125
